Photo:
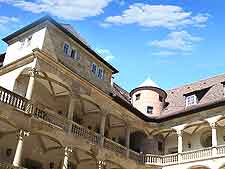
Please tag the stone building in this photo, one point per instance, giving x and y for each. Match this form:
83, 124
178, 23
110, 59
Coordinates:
59, 109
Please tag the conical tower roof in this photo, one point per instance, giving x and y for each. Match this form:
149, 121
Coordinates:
148, 83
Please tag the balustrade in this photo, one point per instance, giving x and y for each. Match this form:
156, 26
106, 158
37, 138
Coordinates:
13, 99
197, 154
81, 131
111, 145
220, 150
136, 156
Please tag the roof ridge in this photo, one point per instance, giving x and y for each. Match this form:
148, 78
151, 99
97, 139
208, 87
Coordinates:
195, 82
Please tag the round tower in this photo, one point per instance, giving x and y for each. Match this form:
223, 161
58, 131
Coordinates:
148, 98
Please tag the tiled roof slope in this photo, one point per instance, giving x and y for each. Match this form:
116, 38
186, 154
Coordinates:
212, 89
120, 92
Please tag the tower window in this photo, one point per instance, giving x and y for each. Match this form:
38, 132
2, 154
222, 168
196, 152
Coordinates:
191, 100
138, 96
66, 49
149, 109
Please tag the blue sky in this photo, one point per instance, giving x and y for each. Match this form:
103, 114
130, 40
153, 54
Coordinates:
173, 42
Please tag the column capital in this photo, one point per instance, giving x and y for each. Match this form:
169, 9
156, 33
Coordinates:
179, 133
23, 133
33, 72
213, 125
68, 150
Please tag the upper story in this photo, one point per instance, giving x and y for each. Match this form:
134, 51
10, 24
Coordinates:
148, 101
63, 44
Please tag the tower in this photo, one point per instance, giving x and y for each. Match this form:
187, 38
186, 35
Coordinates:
148, 98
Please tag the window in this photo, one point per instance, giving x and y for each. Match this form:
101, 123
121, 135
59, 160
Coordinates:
224, 89
100, 73
138, 96
66, 49
191, 100
22, 43
93, 68
149, 109
73, 53
29, 40
78, 55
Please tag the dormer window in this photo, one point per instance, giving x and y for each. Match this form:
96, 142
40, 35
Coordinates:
224, 89
191, 100
138, 96
149, 109
66, 48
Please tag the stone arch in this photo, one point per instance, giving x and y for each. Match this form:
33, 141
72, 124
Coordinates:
199, 167
138, 141
222, 167
83, 159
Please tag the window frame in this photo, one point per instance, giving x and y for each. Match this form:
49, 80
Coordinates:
137, 96
68, 49
100, 75
149, 108
92, 65
191, 100
29, 39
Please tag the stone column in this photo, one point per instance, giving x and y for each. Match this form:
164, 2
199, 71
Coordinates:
101, 164
214, 139
70, 113
19, 149
30, 86
66, 158
180, 144
127, 132
102, 128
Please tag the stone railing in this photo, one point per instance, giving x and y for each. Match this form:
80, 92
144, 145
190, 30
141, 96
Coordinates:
116, 147
136, 156
48, 115
220, 150
13, 99
9, 166
160, 159
83, 132
196, 154
188, 156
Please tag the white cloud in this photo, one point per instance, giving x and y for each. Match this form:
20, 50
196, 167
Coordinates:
7, 20
67, 9
178, 41
165, 53
167, 16
106, 54
6, 23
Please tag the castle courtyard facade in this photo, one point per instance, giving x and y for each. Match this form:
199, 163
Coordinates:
60, 109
